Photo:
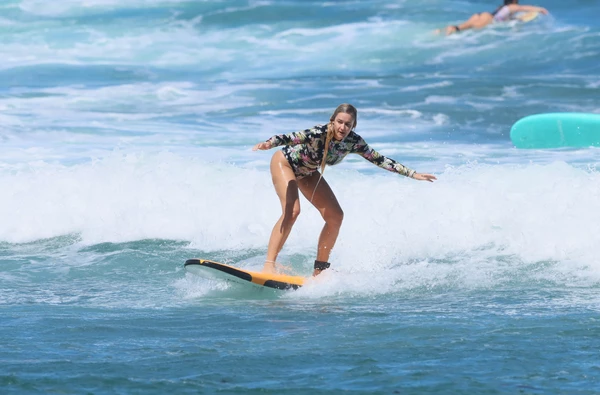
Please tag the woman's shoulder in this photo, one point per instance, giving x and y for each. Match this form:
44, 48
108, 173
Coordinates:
316, 129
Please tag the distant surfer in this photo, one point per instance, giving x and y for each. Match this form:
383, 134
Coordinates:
503, 13
296, 168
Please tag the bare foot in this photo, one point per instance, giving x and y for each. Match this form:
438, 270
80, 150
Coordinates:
276, 268
451, 30
269, 267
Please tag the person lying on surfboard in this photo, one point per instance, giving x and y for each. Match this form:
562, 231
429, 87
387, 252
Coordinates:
296, 168
503, 13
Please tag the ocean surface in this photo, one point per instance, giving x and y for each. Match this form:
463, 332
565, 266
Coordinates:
126, 130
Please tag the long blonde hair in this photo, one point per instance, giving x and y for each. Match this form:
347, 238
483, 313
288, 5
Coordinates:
342, 108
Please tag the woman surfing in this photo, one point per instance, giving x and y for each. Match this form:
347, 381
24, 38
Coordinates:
295, 168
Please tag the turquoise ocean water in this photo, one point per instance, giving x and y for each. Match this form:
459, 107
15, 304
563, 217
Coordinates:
126, 130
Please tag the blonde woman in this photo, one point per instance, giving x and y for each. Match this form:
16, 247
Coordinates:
295, 168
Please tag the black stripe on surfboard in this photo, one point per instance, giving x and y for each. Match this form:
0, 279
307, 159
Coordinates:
280, 285
225, 269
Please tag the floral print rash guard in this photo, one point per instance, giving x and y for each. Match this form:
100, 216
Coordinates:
304, 151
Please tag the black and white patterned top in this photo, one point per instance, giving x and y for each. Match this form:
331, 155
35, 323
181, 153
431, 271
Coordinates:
304, 151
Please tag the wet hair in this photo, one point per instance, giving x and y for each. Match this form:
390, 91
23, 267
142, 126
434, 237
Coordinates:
506, 2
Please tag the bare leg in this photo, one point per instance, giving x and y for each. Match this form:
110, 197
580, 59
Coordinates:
286, 188
476, 21
322, 197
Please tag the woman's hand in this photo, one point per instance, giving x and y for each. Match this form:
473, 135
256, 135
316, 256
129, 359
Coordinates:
265, 145
424, 177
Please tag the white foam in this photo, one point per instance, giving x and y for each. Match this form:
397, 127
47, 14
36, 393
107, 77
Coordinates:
536, 212
415, 88
230, 52
71, 7
477, 227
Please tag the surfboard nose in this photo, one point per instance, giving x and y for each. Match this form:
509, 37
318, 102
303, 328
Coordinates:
220, 271
557, 130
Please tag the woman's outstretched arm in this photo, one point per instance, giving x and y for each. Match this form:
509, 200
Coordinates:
364, 150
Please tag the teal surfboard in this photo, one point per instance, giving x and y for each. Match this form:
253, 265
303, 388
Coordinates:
557, 130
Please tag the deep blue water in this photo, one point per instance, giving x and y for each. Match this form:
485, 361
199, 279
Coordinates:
125, 148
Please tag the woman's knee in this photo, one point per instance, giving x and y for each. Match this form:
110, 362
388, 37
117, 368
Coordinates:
291, 213
334, 217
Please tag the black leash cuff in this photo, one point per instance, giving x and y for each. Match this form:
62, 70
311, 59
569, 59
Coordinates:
320, 265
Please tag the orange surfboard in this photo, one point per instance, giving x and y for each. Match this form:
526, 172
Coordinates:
220, 271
